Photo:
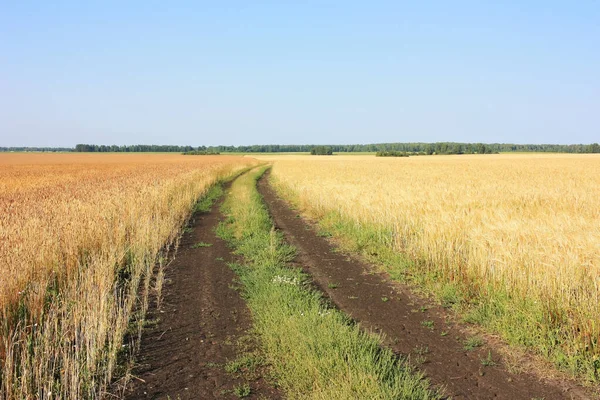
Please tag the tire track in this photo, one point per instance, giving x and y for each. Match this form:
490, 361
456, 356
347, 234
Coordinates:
200, 323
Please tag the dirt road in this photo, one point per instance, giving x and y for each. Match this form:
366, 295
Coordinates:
199, 325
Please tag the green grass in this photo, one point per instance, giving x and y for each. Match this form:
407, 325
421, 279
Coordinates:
488, 361
242, 391
473, 342
527, 323
215, 192
428, 324
245, 363
315, 352
206, 202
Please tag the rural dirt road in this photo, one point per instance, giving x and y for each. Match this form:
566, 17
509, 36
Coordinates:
200, 322
411, 325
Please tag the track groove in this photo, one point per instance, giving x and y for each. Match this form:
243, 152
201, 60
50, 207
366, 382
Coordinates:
200, 323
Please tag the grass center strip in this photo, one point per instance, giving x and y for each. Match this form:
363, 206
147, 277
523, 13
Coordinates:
315, 350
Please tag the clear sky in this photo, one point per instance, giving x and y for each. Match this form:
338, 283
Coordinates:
298, 72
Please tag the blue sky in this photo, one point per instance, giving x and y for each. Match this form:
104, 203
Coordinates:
282, 72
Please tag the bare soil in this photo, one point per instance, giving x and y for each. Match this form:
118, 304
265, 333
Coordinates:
411, 325
203, 323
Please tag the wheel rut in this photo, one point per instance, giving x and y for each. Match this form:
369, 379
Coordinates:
409, 324
200, 325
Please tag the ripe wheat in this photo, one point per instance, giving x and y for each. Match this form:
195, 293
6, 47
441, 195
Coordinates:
79, 236
526, 226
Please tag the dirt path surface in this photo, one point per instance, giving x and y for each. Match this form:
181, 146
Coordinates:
201, 320
410, 325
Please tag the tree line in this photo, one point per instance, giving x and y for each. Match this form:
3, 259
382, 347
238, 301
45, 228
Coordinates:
393, 153
321, 151
414, 148
136, 148
411, 148
200, 153
36, 149
424, 148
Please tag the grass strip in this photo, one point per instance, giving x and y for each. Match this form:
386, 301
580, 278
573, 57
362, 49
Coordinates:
315, 351
206, 202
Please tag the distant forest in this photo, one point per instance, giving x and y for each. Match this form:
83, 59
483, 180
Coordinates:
137, 148
426, 148
38, 149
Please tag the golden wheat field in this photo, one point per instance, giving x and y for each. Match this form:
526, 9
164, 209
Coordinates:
79, 234
526, 226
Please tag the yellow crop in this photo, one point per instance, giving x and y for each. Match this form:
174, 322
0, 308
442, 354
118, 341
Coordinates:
528, 225
79, 235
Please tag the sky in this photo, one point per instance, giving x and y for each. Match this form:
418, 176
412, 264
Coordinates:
298, 72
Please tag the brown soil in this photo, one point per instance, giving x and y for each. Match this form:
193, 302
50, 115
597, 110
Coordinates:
411, 325
202, 324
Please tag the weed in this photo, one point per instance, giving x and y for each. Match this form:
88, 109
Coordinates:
488, 361
449, 295
245, 363
420, 359
151, 323
428, 324
333, 285
206, 202
201, 244
242, 391
235, 286
473, 342
385, 299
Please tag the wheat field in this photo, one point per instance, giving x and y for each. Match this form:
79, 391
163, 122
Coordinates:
80, 234
509, 230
